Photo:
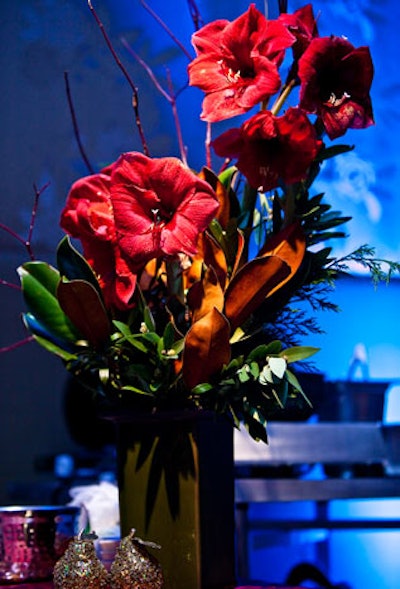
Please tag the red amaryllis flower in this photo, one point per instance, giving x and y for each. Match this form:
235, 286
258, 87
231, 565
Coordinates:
160, 207
335, 82
88, 216
237, 63
303, 26
271, 149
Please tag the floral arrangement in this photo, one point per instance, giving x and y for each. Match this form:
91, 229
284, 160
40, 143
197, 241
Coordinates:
181, 292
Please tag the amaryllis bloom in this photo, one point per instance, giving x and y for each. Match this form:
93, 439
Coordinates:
271, 149
88, 216
237, 63
303, 26
160, 207
335, 83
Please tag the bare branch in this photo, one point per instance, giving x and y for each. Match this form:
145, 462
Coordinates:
10, 284
166, 29
135, 97
148, 70
170, 97
195, 15
17, 344
75, 125
178, 127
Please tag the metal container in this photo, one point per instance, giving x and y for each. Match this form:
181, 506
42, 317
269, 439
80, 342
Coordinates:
32, 539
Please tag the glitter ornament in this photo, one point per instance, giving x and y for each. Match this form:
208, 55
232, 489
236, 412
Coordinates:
80, 567
134, 567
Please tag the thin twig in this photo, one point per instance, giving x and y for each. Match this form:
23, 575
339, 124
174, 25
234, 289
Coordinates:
147, 68
135, 96
166, 29
17, 345
75, 125
13, 233
195, 15
170, 97
283, 5
178, 127
10, 284
28, 242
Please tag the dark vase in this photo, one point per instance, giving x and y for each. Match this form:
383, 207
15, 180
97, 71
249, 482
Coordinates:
176, 488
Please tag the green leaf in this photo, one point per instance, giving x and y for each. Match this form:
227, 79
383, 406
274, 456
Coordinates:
297, 353
168, 336
122, 328
43, 273
243, 374
333, 151
149, 319
293, 381
136, 342
136, 390
39, 286
260, 353
226, 177
54, 349
202, 388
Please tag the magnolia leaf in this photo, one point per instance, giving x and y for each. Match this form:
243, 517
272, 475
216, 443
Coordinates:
45, 274
205, 295
39, 286
289, 244
73, 265
206, 348
214, 256
227, 176
82, 304
46, 339
277, 366
221, 192
297, 353
251, 285
240, 243
54, 349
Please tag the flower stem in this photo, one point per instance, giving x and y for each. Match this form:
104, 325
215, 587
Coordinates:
283, 96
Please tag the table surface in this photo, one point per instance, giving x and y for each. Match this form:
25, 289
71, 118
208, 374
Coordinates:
49, 585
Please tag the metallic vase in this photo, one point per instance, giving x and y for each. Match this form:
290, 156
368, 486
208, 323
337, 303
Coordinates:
32, 539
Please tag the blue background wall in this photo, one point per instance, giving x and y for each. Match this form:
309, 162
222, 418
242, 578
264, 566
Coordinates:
39, 40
